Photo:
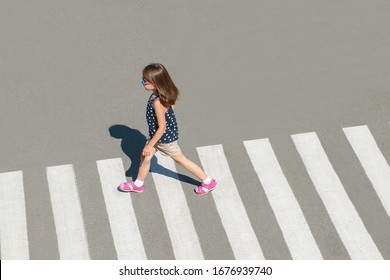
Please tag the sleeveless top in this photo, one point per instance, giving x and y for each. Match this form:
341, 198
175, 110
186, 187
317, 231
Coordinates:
171, 132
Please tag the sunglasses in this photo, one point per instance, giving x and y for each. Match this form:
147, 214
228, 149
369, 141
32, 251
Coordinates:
144, 83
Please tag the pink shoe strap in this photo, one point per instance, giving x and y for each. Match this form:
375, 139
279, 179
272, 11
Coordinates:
130, 186
202, 190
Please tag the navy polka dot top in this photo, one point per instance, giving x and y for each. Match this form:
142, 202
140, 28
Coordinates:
171, 132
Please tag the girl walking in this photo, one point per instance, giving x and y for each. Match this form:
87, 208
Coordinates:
163, 130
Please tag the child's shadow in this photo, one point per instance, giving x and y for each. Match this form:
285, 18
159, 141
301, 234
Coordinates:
132, 144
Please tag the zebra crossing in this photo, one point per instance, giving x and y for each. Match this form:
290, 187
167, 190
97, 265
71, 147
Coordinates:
184, 239
183, 235
229, 205
373, 161
282, 199
120, 211
68, 219
13, 226
328, 185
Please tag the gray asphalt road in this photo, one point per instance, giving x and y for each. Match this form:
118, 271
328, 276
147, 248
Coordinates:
70, 93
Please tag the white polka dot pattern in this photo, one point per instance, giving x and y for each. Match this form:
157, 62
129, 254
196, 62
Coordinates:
171, 132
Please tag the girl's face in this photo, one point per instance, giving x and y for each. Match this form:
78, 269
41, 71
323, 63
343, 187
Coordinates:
147, 85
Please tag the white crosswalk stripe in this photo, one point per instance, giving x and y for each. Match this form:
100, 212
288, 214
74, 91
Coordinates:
185, 241
183, 236
372, 160
13, 224
234, 218
283, 202
341, 210
72, 241
124, 226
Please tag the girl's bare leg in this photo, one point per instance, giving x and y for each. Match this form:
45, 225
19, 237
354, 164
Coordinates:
145, 166
190, 166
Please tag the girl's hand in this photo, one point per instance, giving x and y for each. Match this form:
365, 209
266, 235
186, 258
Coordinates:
147, 151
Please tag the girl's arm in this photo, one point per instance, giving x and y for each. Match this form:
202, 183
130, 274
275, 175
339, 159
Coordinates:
160, 114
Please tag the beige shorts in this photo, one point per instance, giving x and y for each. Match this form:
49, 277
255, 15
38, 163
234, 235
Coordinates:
169, 149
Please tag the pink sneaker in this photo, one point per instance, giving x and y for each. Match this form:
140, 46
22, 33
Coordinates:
206, 188
131, 187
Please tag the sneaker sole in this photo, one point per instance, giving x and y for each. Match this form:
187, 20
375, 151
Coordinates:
122, 190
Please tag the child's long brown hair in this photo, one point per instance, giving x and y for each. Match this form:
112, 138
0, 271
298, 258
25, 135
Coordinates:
166, 89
